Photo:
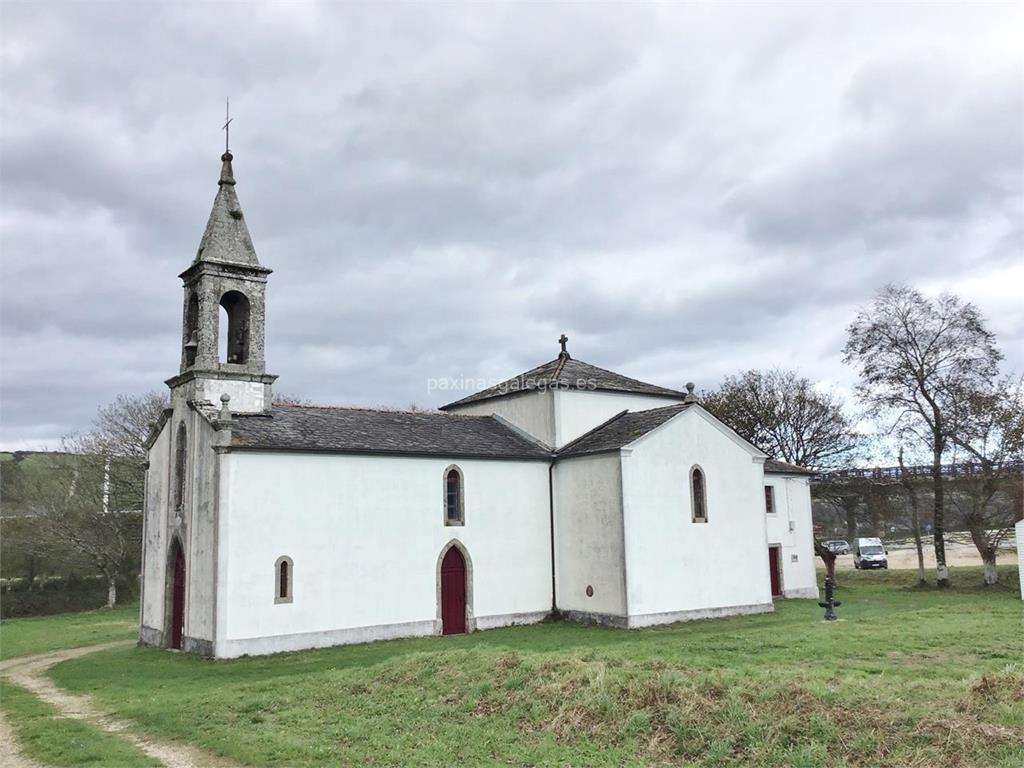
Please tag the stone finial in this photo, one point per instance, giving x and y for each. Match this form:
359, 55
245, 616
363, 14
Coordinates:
227, 174
690, 397
225, 412
563, 340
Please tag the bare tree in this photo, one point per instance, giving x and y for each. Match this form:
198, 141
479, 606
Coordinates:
915, 516
989, 427
786, 416
91, 499
914, 356
76, 514
119, 433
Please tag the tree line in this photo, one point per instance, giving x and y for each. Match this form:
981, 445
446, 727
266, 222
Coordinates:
929, 383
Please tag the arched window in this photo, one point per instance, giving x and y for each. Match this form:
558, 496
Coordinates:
698, 495
180, 454
454, 505
235, 338
284, 576
191, 330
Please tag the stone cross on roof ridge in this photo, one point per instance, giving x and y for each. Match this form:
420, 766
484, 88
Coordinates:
563, 340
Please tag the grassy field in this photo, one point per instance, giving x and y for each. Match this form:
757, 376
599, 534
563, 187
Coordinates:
909, 677
70, 630
59, 741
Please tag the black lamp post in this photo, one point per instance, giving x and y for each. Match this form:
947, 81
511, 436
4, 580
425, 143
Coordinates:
830, 603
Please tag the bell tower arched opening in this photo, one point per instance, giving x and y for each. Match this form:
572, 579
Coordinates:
235, 341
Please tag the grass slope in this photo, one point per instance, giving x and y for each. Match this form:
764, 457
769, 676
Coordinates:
59, 741
19, 637
910, 677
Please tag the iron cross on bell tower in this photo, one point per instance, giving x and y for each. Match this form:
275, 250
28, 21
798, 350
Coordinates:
226, 127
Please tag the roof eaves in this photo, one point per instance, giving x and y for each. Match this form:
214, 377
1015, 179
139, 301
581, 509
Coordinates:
512, 456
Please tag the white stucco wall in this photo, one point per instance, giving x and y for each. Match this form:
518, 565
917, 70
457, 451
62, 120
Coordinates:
588, 536
246, 396
200, 532
791, 528
532, 412
155, 538
194, 524
577, 412
677, 569
365, 534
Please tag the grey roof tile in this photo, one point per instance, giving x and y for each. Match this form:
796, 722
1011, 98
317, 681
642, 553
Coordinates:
620, 430
359, 430
567, 373
775, 467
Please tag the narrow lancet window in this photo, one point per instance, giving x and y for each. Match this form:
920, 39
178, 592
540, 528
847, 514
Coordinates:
284, 572
698, 496
453, 498
180, 457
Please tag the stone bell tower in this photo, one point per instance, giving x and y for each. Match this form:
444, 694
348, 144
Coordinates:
225, 275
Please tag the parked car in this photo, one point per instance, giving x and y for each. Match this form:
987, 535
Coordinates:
838, 546
870, 553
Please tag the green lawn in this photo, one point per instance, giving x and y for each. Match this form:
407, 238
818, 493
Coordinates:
69, 630
909, 677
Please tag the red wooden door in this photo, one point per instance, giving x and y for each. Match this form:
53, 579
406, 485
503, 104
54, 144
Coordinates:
453, 593
178, 599
773, 570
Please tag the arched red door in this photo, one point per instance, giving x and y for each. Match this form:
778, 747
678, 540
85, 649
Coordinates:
177, 598
453, 593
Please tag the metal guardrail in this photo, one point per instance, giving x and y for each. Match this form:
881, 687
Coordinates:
961, 469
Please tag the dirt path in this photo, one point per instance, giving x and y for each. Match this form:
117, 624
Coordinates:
13, 757
30, 673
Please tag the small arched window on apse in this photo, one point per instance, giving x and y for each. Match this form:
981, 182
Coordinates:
698, 495
234, 334
284, 577
454, 497
180, 458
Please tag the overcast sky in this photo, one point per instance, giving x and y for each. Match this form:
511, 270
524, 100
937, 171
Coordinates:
443, 189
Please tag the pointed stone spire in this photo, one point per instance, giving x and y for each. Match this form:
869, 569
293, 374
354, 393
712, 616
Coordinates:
226, 237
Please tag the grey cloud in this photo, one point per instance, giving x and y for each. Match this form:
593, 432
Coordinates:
441, 190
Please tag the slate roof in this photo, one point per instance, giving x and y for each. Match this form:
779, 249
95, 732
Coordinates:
359, 430
775, 467
620, 430
565, 373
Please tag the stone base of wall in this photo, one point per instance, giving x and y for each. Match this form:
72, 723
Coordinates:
510, 619
671, 617
151, 637
809, 593
197, 646
601, 619
261, 646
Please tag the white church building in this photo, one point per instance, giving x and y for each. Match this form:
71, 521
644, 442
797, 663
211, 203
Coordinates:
568, 490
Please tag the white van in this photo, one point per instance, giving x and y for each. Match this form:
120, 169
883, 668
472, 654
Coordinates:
870, 553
